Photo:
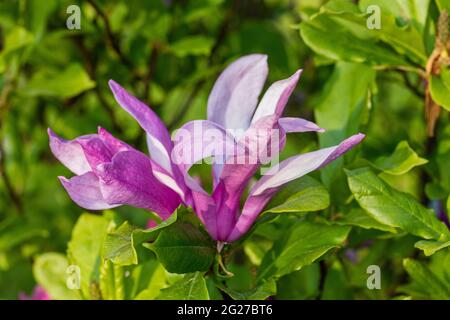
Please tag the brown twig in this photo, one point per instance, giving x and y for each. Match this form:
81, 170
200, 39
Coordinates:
151, 71
91, 69
411, 86
110, 35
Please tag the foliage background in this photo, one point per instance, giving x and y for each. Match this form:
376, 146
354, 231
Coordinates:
168, 53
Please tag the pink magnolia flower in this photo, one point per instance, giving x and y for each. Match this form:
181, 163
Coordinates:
110, 173
233, 104
39, 293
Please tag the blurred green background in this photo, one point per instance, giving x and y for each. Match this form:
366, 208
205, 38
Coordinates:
168, 54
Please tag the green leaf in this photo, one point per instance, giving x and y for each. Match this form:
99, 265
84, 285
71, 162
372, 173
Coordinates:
15, 232
183, 248
394, 208
359, 218
149, 279
443, 5
336, 285
300, 285
84, 249
193, 45
120, 244
111, 281
50, 271
440, 88
64, 84
402, 160
405, 11
260, 292
303, 244
191, 287
17, 38
343, 108
430, 247
302, 195
339, 32
426, 280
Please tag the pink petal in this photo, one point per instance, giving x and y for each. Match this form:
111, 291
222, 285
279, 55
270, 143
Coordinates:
113, 144
288, 170
238, 171
69, 153
39, 293
95, 151
129, 179
298, 125
276, 97
235, 94
158, 137
85, 191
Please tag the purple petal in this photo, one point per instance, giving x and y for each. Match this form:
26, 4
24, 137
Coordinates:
298, 125
204, 206
129, 179
235, 94
201, 139
85, 191
276, 97
114, 145
238, 171
158, 137
69, 153
95, 151
288, 170
297, 166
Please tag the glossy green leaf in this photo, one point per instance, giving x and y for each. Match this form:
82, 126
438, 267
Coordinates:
406, 11
440, 88
193, 45
67, 83
402, 160
430, 247
302, 195
303, 244
149, 279
359, 218
120, 245
394, 208
426, 280
84, 249
191, 287
183, 248
260, 292
339, 31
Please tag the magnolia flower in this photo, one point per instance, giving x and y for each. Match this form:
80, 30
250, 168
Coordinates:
110, 173
233, 104
39, 293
